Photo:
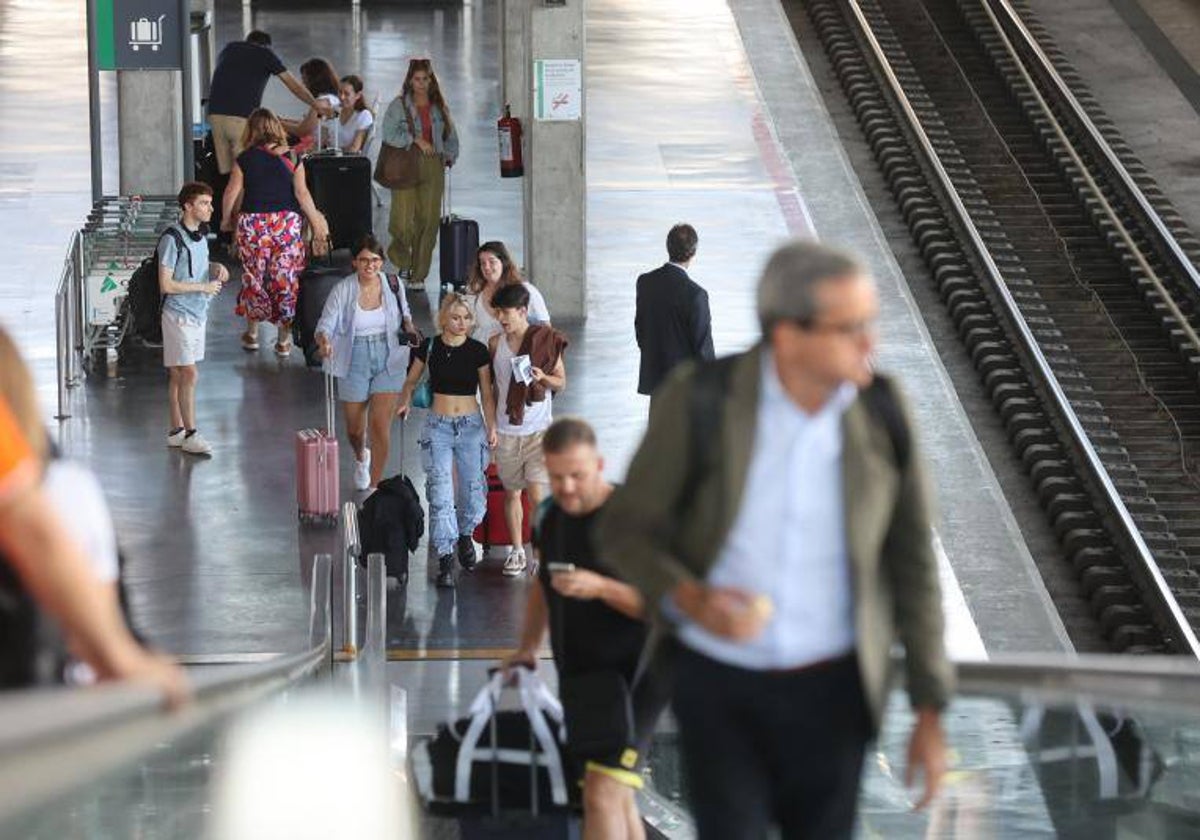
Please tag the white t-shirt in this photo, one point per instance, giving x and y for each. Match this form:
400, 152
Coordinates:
538, 416
486, 324
77, 498
359, 121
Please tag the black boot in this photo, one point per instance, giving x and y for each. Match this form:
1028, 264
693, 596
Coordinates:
445, 577
467, 558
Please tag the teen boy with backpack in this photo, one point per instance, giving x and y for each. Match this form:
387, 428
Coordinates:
187, 285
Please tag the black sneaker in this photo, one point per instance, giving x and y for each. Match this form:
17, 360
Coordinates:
445, 577
467, 558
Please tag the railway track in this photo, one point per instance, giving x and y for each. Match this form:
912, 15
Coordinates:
1069, 281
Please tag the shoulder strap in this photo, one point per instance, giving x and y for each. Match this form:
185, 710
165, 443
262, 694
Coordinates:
394, 284
880, 399
183, 248
709, 385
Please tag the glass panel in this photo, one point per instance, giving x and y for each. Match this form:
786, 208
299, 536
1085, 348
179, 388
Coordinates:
1023, 770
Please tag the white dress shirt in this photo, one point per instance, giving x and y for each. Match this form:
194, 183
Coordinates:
788, 541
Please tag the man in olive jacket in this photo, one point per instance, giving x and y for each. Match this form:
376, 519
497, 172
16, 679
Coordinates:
788, 541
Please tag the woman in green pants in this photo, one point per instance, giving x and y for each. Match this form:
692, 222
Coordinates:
419, 116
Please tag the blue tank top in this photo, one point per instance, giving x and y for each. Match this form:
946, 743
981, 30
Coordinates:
267, 185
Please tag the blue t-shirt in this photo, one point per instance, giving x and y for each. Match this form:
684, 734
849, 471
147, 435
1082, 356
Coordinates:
190, 305
240, 77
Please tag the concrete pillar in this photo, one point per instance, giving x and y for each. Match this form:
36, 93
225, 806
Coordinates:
149, 130
555, 175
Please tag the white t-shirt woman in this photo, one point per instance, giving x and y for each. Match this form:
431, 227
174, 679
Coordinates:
349, 126
486, 324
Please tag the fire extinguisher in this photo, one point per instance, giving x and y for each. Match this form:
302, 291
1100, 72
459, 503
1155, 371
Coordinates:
508, 130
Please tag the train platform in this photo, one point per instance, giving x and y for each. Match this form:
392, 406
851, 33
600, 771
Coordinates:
735, 138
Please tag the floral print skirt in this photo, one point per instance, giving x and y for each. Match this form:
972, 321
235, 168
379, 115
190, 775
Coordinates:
271, 249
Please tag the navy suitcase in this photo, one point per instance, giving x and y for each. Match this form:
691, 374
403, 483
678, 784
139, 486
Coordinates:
341, 189
316, 283
459, 239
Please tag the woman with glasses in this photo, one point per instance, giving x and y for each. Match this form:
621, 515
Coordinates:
358, 335
419, 117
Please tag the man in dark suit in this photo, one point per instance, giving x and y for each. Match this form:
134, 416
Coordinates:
672, 323
781, 527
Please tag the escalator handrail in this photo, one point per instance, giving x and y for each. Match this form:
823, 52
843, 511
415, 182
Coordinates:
38, 716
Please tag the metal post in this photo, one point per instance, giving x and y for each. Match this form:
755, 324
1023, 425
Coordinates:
185, 69
375, 637
94, 106
62, 346
350, 550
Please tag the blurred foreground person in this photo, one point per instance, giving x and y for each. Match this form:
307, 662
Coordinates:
777, 514
42, 566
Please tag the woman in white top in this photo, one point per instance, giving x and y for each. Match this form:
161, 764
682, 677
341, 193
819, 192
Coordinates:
355, 118
492, 270
358, 335
318, 76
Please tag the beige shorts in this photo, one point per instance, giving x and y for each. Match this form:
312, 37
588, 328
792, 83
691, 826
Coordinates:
520, 462
227, 139
183, 341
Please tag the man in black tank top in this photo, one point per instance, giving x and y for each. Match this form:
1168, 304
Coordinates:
594, 621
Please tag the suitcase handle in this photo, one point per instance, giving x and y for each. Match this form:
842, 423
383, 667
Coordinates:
330, 428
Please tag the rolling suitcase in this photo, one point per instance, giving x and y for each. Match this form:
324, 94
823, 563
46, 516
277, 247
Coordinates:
459, 245
316, 283
493, 530
341, 189
317, 467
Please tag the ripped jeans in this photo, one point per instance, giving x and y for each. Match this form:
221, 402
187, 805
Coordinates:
452, 445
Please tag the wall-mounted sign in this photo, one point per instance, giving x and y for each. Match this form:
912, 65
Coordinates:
138, 34
557, 89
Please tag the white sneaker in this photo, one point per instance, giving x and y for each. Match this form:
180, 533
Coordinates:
515, 563
195, 444
176, 440
362, 471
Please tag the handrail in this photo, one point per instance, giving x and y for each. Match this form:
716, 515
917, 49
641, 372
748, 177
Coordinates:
351, 547
1179, 632
1164, 682
67, 299
52, 740
1100, 145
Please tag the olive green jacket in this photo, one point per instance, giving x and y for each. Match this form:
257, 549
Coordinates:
655, 546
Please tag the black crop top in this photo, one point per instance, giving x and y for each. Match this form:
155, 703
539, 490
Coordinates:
454, 371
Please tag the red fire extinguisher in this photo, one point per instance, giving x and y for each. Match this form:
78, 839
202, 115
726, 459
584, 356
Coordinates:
508, 129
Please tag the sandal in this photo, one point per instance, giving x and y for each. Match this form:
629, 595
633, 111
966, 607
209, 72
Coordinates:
284, 349
249, 342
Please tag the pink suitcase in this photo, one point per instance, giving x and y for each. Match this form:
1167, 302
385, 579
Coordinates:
317, 467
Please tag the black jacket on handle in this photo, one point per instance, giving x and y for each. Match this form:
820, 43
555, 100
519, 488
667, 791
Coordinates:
673, 323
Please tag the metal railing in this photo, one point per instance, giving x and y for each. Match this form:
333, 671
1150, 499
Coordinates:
68, 324
54, 740
351, 547
1155, 588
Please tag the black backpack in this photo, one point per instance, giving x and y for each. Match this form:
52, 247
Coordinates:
144, 299
392, 522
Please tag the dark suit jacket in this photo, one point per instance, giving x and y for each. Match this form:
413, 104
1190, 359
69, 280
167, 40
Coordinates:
673, 323
654, 544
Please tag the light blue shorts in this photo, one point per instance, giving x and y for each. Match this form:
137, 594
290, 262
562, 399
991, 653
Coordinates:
368, 371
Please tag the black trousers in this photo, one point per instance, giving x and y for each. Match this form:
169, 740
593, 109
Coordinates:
771, 748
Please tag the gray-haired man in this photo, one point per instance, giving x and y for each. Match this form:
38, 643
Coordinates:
779, 518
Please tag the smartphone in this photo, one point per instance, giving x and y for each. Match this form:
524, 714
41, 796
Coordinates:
560, 567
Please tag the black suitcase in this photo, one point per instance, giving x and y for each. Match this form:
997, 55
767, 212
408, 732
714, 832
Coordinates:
341, 189
316, 283
459, 239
